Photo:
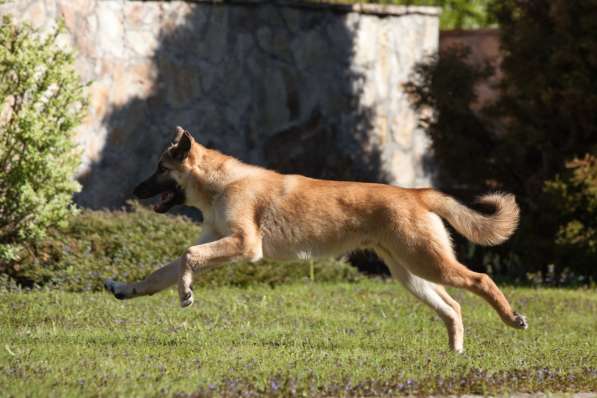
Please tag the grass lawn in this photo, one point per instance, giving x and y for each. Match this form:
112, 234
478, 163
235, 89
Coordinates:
369, 337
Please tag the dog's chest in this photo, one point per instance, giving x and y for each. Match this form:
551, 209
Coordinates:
295, 246
277, 250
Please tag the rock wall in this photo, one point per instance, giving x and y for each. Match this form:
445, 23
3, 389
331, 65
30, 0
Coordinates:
313, 89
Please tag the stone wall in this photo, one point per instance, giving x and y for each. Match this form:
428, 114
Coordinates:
299, 88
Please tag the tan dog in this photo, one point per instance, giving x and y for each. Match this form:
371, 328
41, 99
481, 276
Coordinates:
252, 213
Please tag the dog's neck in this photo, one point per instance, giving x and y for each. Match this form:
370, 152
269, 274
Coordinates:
208, 175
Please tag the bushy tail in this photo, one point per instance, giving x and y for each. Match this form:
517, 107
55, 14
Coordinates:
488, 230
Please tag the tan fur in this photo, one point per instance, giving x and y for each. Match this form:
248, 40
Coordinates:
252, 213
484, 230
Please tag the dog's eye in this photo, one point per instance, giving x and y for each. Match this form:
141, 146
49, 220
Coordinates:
161, 168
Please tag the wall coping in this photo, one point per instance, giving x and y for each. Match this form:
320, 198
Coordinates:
361, 8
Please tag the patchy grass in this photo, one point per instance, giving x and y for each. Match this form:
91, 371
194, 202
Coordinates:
362, 338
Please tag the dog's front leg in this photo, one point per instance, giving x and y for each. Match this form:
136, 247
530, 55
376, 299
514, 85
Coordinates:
158, 280
210, 255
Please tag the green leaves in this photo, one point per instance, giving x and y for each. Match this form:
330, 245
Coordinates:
41, 102
458, 14
574, 195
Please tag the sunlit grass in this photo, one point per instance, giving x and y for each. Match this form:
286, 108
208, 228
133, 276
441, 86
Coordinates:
304, 338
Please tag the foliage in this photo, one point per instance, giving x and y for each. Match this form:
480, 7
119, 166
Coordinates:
41, 102
575, 198
459, 14
543, 117
446, 84
129, 245
370, 338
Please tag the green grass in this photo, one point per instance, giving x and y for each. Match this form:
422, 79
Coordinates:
337, 338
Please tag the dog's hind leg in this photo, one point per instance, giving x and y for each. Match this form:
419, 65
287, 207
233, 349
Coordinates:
434, 296
455, 274
432, 259
448, 299
429, 255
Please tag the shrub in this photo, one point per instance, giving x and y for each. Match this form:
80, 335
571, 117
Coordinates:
128, 245
40, 104
446, 85
574, 195
457, 14
544, 116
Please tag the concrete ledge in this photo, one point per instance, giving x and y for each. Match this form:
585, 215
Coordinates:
362, 8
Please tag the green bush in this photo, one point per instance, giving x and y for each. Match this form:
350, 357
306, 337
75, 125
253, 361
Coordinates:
545, 115
446, 85
128, 245
41, 102
574, 195
456, 14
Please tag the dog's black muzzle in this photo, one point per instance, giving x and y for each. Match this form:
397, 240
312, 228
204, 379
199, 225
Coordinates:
151, 187
170, 192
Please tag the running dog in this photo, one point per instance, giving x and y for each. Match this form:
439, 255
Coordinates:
251, 213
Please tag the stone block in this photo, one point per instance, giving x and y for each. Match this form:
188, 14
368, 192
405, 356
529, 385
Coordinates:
404, 127
141, 16
402, 169
99, 97
174, 14
179, 80
142, 44
109, 37
35, 15
309, 50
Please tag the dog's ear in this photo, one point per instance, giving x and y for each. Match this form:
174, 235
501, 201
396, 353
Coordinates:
183, 141
179, 133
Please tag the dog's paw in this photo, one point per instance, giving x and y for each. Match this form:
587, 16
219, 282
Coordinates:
116, 288
520, 321
187, 299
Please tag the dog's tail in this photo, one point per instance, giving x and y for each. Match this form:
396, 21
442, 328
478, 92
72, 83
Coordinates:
487, 230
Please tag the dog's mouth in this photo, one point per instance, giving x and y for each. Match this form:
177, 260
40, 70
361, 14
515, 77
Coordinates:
171, 197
